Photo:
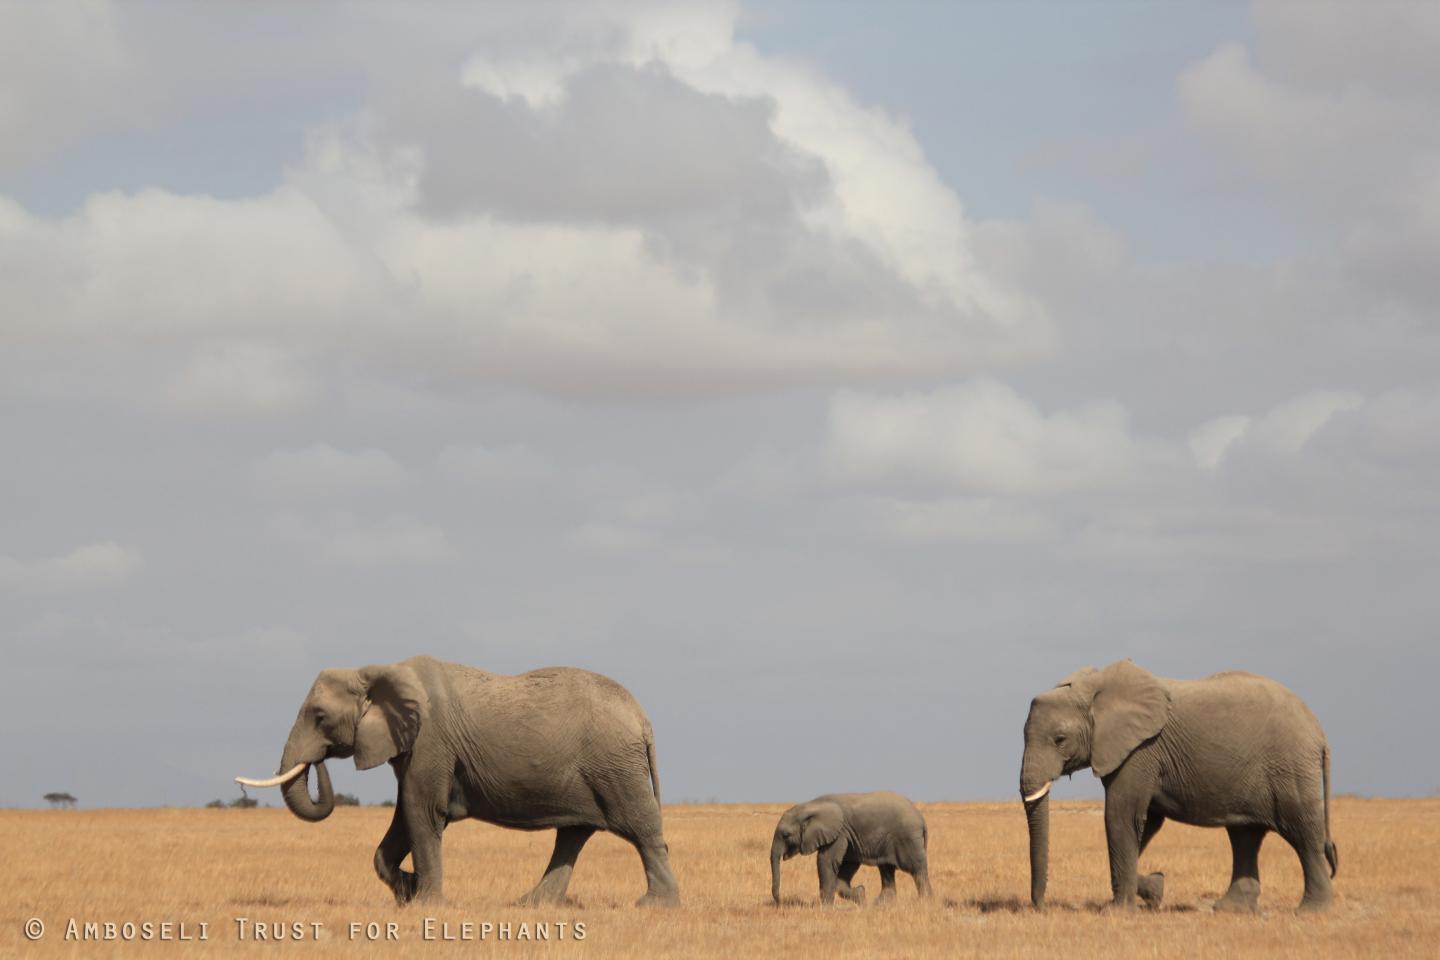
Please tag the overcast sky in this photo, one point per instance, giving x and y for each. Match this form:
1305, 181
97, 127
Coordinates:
834, 380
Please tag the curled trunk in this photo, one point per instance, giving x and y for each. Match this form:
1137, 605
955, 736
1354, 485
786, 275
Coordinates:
297, 791
297, 795
1037, 815
777, 849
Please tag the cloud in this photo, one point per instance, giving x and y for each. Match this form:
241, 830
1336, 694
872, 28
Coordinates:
345, 541
242, 379
614, 539
1209, 441
982, 520
322, 469
479, 463
75, 56
96, 566
980, 437
657, 210
1333, 115
1282, 431
399, 541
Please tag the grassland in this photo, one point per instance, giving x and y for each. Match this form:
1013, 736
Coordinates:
213, 866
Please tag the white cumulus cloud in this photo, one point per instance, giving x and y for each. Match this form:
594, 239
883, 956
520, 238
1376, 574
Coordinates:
91, 567
980, 437
323, 469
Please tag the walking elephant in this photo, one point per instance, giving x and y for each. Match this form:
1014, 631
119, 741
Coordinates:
558, 747
850, 830
1233, 750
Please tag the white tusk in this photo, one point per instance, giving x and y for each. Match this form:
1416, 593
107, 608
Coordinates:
1039, 793
276, 780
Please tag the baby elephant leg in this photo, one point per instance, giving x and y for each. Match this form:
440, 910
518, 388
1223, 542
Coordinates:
843, 876
1151, 888
919, 868
887, 884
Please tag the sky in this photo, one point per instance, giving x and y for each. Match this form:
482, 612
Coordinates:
835, 381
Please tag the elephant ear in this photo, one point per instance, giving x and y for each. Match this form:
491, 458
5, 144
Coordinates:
392, 710
1129, 707
1082, 682
820, 828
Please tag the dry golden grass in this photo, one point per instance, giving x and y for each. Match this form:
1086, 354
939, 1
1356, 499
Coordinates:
215, 865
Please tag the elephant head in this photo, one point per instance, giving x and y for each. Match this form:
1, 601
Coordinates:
804, 828
1093, 718
372, 714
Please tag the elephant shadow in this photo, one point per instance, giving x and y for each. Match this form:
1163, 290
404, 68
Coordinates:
1020, 905
800, 902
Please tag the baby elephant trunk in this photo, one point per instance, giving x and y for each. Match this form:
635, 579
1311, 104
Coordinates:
777, 850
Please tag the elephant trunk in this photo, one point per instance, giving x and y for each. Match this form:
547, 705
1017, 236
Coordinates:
777, 849
1037, 816
297, 791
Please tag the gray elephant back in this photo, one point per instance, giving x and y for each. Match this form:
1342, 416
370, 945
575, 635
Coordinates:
1223, 696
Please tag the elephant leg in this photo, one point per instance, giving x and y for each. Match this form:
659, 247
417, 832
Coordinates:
1124, 825
661, 889
394, 848
1244, 893
843, 876
1151, 886
920, 870
887, 884
633, 814
569, 841
1308, 841
829, 878
425, 822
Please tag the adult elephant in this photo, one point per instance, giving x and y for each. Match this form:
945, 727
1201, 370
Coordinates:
555, 748
1233, 750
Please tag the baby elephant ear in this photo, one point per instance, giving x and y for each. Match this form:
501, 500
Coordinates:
1130, 706
392, 710
820, 828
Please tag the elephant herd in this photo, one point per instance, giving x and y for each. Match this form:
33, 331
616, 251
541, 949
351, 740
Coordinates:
571, 750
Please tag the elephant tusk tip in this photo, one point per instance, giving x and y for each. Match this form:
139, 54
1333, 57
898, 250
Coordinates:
1039, 793
274, 781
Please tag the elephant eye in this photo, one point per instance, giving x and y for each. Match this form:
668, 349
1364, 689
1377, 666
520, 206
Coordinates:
1059, 739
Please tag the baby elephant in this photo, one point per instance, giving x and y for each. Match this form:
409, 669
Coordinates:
850, 830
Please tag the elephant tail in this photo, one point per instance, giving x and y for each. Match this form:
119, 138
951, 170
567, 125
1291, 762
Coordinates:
1332, 855
650, 758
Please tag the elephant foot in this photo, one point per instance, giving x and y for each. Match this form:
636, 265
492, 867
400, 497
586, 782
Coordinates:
654, 899
856, 895
1317, 904
1152, 890
1242, 897
532, 899
403, 886
1119, 906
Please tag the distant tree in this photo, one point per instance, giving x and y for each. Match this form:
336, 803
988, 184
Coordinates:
215, 805
346, 800
61, 801
386, 803
244, 803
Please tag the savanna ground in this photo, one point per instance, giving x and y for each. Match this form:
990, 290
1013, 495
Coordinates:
216, 865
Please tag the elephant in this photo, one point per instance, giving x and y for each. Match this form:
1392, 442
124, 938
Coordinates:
849, 830
1232, 750
558, 747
